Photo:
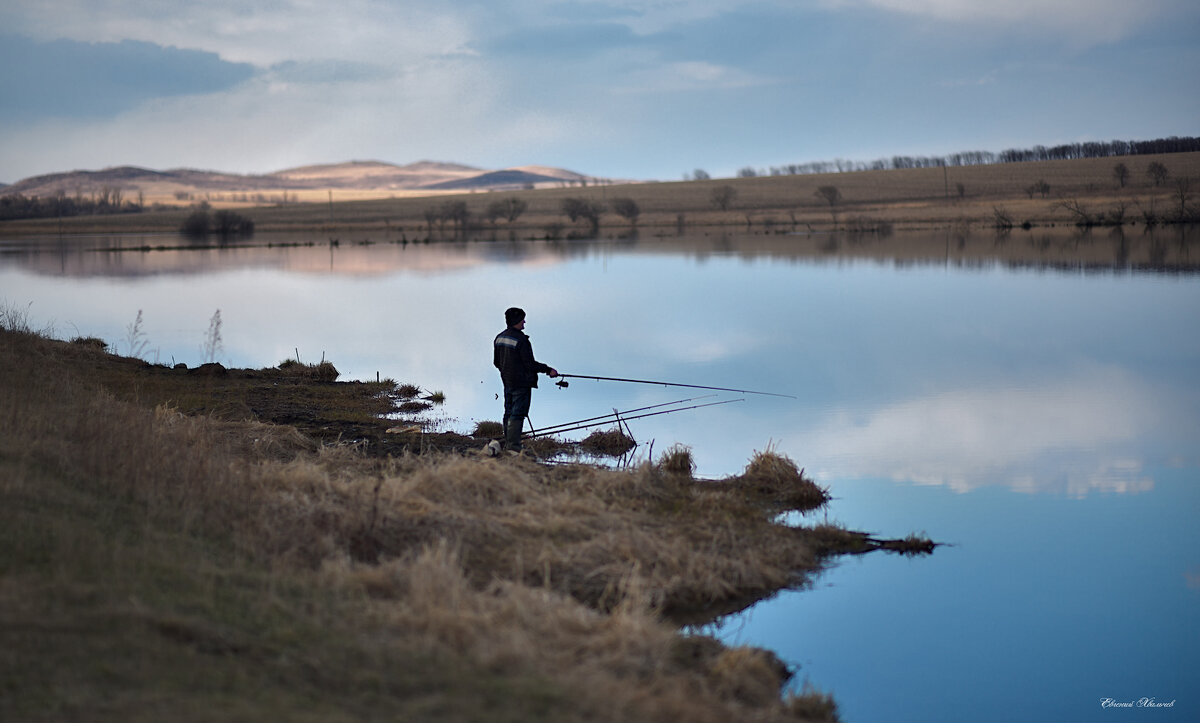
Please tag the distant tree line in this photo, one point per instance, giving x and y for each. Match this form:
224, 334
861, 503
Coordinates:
1066, 151
105, 201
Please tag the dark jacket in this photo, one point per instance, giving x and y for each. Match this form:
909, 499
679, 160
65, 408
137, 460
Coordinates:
513, 356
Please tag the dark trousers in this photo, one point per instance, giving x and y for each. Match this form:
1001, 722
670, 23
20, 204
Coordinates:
516, 408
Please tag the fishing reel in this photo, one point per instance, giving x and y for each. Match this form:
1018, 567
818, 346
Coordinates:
562, 384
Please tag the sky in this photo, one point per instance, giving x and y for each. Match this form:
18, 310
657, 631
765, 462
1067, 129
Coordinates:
621, 89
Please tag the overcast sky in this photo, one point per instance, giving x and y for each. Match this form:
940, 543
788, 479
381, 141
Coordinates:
637, 89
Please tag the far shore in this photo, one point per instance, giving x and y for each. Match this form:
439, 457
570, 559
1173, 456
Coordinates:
1083, 192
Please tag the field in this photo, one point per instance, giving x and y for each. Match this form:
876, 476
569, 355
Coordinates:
1067, 192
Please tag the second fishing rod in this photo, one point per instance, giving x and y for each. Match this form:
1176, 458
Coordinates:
611, 416
584, 424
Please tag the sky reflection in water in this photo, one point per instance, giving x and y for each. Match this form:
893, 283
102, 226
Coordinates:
1046, 422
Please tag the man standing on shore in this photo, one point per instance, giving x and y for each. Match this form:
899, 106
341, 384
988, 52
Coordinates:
512, 354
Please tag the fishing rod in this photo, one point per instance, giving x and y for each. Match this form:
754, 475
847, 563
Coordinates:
636, 416
616, 414
564, 384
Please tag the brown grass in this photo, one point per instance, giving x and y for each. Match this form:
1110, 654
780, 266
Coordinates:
774, 479
607, 442
488, 430
678, 460
322, 371
160, 562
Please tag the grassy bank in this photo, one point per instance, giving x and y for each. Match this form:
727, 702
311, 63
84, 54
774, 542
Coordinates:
213, 566
1036, 193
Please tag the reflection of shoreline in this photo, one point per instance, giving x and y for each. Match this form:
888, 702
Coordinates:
343, 260
1064, 250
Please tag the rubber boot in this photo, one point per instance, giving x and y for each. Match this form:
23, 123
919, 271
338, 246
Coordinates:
512, 435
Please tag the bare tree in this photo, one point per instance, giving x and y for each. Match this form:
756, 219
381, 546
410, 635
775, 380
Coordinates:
581, 208
1121, 173
722, 197
626, 208
509, 209
1040, 187
700, 175
1082, 216
457, 212
432, 215
1157, 172
1183, 194
832, 196
494, 212
1003, 219
513, 208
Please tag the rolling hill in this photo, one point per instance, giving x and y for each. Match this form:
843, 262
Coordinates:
357, 179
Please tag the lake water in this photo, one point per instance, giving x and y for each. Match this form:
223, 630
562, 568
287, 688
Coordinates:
1032, 400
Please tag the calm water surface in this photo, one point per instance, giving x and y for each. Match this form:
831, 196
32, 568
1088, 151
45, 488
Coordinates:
1033, 400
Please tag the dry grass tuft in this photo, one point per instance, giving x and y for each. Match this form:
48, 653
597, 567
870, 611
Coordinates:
751, 675
678, 460
488, 430
609, 442
322, 372
813, 706
776, 479
91, 342
413, 407
407, 391
911, 545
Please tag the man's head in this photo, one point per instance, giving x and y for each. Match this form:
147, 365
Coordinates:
514, 316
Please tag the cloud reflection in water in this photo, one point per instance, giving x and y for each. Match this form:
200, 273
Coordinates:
1074, 436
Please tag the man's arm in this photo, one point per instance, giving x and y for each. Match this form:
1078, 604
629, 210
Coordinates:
535, 365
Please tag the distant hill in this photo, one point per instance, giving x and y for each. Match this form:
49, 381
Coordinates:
511, 178
376, 174
360, 177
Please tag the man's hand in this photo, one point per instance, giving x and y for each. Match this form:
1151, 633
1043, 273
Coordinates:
552, 373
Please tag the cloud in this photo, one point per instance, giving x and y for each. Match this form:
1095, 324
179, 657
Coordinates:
328, 71
569, 40
67, 78
261, 33
688, 76
285, 117
1082, 20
